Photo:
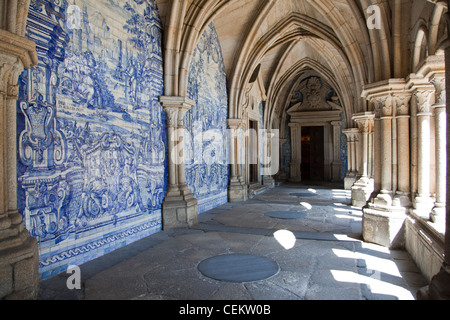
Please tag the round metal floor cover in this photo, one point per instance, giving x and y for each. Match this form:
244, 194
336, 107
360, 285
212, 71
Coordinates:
285, 214
238, 268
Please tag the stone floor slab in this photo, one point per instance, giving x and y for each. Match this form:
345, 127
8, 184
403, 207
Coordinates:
321, 258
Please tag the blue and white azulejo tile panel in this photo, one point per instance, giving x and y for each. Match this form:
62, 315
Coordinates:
207, 147
92, 135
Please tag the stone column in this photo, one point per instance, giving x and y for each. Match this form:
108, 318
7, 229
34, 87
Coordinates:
370, 161
179, 208
296, 161
352, 135
439, 288
386, 150
363, 188
423, 203
19, 256
237, 189
402, 194
438, 213
382, 219
377, 145
182, 110
336, 165
270, 163
281, 176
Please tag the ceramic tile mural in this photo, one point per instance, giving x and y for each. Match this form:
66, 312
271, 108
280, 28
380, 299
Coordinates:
92, 139
207, 172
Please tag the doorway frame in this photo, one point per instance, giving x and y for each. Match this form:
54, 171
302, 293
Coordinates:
253, 152
331, 121
303, 154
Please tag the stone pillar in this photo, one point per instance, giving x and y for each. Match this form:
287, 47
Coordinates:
296, 161
179, 208
439, 288
237, 189
352, 136
281, 176
19, 256
370, 161
402, 193
270, 162
386, 152
336, 165
363, 188
423, 203
376, 145
383, 217
438, 213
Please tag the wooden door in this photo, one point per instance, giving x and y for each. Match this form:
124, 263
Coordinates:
313, 153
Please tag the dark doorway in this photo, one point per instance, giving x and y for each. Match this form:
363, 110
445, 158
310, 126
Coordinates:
253, 152
312, 153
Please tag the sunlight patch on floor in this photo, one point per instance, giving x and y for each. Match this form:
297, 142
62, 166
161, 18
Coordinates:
306, 205
376, 286
285, 238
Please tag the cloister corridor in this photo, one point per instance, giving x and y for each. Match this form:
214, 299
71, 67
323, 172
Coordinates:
312, 233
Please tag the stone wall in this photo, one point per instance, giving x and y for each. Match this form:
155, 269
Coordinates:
91, 132
425, 247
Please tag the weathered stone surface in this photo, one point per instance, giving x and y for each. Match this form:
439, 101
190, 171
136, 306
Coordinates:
320, 265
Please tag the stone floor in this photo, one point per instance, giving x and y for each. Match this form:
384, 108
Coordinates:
320, 255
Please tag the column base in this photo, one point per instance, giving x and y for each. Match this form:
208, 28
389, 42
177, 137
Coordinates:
423, 206
296, 172
269, 181
281, 176
179, 209
19, 261
439, 288
438, 214
402, 200
349, 180
361, 192
383, 223
336, 168
237, 191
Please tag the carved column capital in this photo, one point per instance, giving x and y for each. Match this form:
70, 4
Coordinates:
378, 104
364, 121
387, 110
423, 99
365, 125
235, 123
439, 84
402, 101
13, 91
172, 116
176, 108
352, 134
336, 123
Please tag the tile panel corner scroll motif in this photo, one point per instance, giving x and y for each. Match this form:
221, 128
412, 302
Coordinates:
92, 144
206, 145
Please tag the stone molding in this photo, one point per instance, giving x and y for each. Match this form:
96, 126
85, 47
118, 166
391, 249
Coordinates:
19, 256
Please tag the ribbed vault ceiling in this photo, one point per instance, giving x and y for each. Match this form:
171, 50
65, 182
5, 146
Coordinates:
282, 37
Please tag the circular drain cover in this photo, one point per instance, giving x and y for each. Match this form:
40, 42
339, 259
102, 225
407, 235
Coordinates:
303, 194
238, 268
285, 214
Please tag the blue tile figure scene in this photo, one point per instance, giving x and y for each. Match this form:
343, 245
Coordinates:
92, 134
206, 143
